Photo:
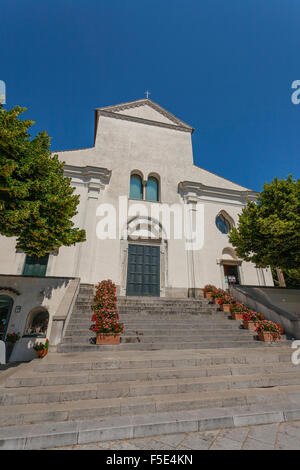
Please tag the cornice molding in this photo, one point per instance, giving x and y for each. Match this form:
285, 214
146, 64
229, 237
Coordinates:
113, 112
148, 122
88, 173
145, 102
195, 191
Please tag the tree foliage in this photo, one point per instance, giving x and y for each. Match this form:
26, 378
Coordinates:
291, 277
268, 233
36, 201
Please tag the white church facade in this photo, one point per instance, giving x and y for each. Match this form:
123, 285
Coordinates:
142, 156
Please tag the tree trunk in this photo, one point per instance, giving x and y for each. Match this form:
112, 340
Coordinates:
280, 277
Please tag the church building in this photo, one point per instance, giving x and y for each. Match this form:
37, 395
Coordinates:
142, 164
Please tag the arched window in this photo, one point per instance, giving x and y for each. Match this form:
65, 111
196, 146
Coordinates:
136, 187
223, 224
152, 189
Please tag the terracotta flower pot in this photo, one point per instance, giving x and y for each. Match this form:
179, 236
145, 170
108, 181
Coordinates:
108, 338
208, 295
269, 336
237, 315
250, 325
225, 307
42, 353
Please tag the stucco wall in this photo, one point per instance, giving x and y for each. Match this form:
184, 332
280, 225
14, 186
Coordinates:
28, 293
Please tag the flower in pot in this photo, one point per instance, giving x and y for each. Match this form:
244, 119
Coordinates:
208, 290
105, 318
217, 295
251, 320
10, 341
226, 302
269, 331
238, 310
41, 348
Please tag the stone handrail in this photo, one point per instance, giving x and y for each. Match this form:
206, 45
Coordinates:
61, 318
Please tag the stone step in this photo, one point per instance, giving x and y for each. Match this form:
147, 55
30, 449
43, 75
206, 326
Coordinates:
162, 359
160, 313
91, 408
148, 332
152, 312
83, 347
160, 329
126, 338
21, 384
45, 435
64, 393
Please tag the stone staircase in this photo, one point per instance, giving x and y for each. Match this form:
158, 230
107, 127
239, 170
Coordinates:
158, 323
182, 366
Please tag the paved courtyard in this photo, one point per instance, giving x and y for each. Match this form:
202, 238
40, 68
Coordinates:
282, 436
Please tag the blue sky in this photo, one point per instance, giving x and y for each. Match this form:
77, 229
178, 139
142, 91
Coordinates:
223, 66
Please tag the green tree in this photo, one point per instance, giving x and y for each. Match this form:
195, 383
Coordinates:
36, 200
268, 233
291, 277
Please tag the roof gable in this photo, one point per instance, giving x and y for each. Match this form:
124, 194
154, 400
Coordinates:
145, 111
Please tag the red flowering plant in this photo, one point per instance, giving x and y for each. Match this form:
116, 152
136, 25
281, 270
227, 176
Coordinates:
226, 299
12, 337
105, 317
222, 297
42, 346
253, 316
239, 308
218, 293
269, 326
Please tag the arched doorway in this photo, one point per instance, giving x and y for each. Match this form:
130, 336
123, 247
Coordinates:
6, 304
144, 262
230, 263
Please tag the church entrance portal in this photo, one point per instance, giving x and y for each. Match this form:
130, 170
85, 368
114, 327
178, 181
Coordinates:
143, 270
231, 275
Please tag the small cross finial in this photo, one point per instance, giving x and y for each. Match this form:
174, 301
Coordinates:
147, 93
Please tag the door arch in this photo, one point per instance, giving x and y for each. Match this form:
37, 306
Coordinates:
6, 304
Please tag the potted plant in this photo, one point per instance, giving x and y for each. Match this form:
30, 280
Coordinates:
217, 294
238, 310
269, 331
226, 302
208, 290
251, 320
105, 318
10, 341
41, 348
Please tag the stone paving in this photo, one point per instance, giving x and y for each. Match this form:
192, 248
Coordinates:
282, 436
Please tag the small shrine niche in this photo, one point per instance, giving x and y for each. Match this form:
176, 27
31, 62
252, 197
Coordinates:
37, 323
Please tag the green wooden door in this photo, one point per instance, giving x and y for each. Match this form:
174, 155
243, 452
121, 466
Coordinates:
6, 304
35, 266
143, 271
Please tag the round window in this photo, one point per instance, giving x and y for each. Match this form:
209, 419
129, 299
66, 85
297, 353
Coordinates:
223, 224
